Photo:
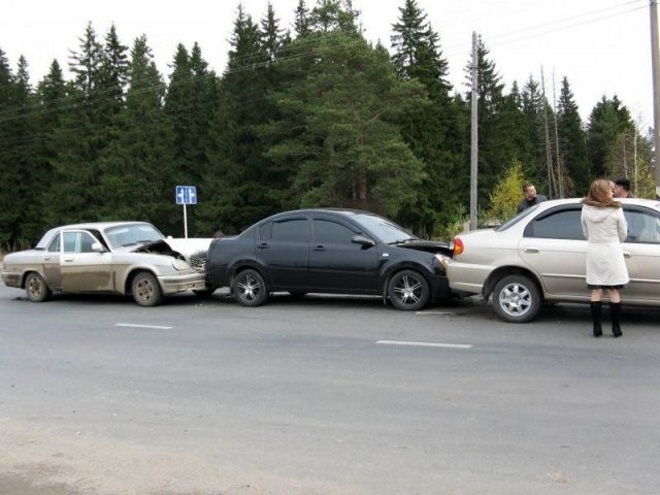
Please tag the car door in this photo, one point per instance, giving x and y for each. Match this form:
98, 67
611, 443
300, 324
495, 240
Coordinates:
337, 263
554, 247
83, 269
51, 263
282, 247
642, 252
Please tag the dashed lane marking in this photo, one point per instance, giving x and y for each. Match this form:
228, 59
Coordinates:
423, 344
136, 325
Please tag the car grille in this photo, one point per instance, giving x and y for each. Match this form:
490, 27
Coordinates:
198, 262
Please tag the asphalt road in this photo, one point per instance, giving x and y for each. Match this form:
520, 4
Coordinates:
322, 395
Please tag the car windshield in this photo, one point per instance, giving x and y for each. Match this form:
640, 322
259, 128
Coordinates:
131, 234
387, 231
510, 223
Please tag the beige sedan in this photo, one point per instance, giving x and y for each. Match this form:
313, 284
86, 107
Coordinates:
539, 256
109, 257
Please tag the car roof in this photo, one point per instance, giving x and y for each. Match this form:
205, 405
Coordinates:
307, 211
97, 225
50, 233
649, 203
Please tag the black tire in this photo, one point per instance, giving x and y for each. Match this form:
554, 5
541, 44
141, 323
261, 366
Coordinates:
408, 290
146, 290
249, 288
516, 299
36, 288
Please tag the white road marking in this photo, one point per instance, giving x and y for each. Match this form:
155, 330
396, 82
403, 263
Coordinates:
135, 325
424, 344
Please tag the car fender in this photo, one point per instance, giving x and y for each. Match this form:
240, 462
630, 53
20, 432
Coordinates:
502, 271
244, 264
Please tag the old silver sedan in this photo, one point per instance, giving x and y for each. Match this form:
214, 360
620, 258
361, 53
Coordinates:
109, 257
539, 256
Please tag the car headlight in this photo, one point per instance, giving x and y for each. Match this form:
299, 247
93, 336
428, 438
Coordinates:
180, 265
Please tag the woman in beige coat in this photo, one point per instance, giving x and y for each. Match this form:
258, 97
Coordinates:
605, 228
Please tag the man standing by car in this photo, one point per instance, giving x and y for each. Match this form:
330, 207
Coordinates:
622, 188
531, 198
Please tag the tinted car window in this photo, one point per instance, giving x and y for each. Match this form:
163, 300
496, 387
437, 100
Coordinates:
561, 224
510, 223
643, 227
328, 231
387, 231
290, 230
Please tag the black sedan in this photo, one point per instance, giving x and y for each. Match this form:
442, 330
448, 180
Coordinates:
332, 251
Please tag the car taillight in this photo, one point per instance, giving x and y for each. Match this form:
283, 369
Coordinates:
458, 246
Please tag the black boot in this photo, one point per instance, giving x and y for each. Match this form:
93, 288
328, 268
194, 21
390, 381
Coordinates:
596, 317
615, 311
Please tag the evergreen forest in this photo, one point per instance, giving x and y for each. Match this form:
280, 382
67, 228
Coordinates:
308, 115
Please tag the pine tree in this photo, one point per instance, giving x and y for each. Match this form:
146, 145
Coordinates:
238, 166
348, 149
301, 20
572, 142
138, 179
17, 215
95, 98
608, 119
431, 132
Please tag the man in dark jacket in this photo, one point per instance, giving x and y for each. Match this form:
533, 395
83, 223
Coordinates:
531, 198
622, 188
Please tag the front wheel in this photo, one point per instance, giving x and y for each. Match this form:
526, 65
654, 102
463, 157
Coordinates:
249, 288
516, 299
146, 290
36, 288
408, 290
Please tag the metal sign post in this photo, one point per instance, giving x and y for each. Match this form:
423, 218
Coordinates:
185, 195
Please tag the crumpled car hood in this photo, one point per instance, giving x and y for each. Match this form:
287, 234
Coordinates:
443, 247
191, 250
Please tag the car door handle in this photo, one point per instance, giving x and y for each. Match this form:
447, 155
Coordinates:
627, 254
319, 247
531, 250
68, 260
263, 245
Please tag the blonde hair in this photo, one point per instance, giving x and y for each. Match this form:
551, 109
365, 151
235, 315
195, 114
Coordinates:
601, 192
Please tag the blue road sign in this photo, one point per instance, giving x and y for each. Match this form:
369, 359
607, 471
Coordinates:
186, 195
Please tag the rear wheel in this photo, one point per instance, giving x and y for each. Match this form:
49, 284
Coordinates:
146, 289
36, 288
516, 299
408, 290
249, 288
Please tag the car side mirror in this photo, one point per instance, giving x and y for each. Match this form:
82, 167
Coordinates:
364, 241
98, 247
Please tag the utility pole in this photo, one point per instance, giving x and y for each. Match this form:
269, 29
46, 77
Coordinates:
474, 148
552, 189
655, 55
